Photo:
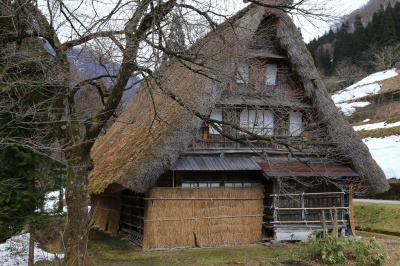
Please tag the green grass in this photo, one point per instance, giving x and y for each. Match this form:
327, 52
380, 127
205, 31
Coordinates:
116, 250
378, 218
109, 250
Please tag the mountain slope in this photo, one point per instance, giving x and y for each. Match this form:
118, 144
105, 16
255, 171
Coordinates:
372, 106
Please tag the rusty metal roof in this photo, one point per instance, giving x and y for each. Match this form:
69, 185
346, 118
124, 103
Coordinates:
209, 163
296, 168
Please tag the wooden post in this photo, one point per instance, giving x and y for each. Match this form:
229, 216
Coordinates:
323, 222
303, 211
335, 223
351, 216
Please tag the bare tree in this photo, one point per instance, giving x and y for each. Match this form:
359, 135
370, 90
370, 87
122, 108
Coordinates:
136, 34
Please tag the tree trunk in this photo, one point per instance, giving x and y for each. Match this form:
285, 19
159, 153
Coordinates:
76, 231
31, 254
31, 247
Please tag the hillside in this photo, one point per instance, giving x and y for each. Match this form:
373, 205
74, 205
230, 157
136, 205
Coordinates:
372, 106
366, 10
365, 42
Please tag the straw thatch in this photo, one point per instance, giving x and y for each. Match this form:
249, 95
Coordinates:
348, 142
202, 217
154, 129
106, 210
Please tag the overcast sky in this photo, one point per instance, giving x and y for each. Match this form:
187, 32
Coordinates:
315, 27
337, 8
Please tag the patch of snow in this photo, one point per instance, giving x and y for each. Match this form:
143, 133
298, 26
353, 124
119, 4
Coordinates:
386, 152
366, 86
349, 108
355, 93
367, 120
51, 202
15, 251
376, 126
378, 76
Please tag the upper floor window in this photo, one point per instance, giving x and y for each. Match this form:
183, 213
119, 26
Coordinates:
271, 73
260, 122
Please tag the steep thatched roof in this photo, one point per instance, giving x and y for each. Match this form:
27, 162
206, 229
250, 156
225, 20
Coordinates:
154, 129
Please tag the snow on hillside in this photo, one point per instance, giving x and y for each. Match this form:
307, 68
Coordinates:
376, 126
385, 151
366, 86
15, 251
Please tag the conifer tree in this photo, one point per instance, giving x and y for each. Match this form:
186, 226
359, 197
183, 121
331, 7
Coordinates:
359, 39
343, 44
396, 19
388, 29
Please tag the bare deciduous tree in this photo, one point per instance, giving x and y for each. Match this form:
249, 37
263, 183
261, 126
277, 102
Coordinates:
136, 34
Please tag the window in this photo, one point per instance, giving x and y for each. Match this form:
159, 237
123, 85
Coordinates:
243, 74
295, 123
271, 74
193, 184
260, 122
217, 115
242, 184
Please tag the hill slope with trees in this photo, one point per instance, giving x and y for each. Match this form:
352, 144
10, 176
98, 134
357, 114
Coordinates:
357, 48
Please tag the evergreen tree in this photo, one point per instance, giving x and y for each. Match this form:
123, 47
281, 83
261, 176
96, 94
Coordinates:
25, 99
331, 36
359, 39
396, 19
374, 33
388, 29
20, 197
343, 44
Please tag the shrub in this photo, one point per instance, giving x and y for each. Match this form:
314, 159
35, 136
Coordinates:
333, 249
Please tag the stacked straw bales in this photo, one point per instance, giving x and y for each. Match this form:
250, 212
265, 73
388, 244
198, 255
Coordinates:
176, 217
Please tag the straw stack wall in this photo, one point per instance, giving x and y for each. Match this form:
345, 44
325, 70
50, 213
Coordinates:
176, 217
106, 211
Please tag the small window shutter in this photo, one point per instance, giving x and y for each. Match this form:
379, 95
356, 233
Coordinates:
216, 114
271, 74
296, 124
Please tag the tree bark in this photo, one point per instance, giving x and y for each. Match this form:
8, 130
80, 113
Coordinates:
31, 255
76, 231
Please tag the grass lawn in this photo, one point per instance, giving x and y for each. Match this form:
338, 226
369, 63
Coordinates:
378, 218
108, 250
116, 250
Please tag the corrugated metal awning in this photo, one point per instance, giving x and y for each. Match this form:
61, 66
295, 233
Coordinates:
208, 163
296, 168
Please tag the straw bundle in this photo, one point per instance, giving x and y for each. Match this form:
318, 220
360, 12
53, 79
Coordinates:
106, 211
202, 217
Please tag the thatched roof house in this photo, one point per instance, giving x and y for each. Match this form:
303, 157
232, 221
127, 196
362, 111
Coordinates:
162, 119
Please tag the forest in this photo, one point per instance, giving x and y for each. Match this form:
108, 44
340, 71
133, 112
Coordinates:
355, 48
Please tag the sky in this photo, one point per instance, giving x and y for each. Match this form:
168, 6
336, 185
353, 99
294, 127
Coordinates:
337, 8
312, 28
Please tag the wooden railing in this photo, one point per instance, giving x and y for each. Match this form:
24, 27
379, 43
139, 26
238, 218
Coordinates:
295, 142
305, 209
